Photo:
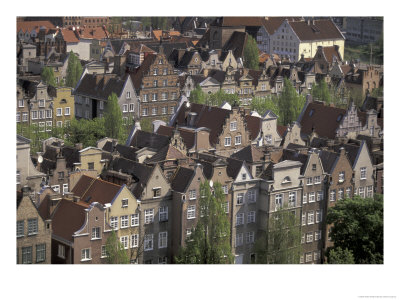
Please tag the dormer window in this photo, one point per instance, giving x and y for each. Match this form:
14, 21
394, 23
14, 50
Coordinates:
124, 202
286, 179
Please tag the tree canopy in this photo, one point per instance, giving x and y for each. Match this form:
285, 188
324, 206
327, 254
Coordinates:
358, 227
116, 253
340, 256
48, 76
113, 118
280, 243
74, 70
209, 242
251, 59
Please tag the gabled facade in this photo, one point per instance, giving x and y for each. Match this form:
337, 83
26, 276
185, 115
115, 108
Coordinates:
270, 134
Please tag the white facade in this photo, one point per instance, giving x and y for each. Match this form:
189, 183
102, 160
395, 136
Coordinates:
285, 42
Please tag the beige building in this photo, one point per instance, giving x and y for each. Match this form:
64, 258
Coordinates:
63, 107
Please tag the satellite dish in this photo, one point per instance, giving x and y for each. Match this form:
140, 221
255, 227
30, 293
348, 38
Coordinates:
211, 183
40, 159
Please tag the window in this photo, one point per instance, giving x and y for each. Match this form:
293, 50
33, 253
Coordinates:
101, 104
363, 173
41, 103
91, 165
172, 109
165, 71
87, 114
124, 221
34, 115
348, 192
311, 197
56, 188
310, 218
303, 238
41, 126
225, 189
192, 194
162, 260
268, 139
341, 176
239, 219
227, 141
26, 255
131, 107
302, 259
41, 114
251, 196
49, 113
103, 251
149, 216
303, 219
128, 95
24, 117
148, 242
239, 239
61, 251
124, 202
317, 255
332, 195
238, 140
305, 198
124, 241
32, 226
309, 237
96, 233
370, 191
135, 220
155, 83
361, 192
320, 195
239, 198
144, 111
318, 216
191, 212
67, 111
125, 108
163, 213
292, 199
85, 254
318, 235
251, 217
162, 239
164, 110
145, 98
250, 237
156, 192
21, 103
154, 111
278, 201
49, 125
317, 179
244, 176
134, 240
20, 228
174, 96
114, 222
233, 126
309, 180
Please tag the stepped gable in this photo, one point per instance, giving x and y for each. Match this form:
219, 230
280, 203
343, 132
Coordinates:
181, 179
323, 119
249, 154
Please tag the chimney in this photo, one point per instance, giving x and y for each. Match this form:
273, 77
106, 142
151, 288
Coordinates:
54, 200
79, 146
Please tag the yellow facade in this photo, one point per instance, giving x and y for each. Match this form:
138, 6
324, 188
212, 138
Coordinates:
63, 106
310, 48
91, 159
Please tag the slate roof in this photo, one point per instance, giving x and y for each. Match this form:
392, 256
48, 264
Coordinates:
44, 208
328, 159
139, 172
324, 120
127, 152
100, 86
187, 135
271, 24
318, 142
253, 125
71, 156
324, 29
238, 21
167, 153
351, 151
207, 116
296, 156
363, 118
151, 140
249, 154
236, 43
233, 168
181, 180
91, 189
67, 218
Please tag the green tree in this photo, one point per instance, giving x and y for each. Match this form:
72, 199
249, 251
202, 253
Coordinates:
116, 253
320, 91
87, 132
198, 96
218, 98
290, 103
251, 60
358, 227
146, 125
48, 76
262, 104
74, 70
113, 118
209, 242
340, 256
280, 244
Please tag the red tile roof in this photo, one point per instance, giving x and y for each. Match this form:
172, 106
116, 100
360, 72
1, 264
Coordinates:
69, 35
253, 125
158, 33
98, 33
31, 25
271, 24
281, 130
242, 21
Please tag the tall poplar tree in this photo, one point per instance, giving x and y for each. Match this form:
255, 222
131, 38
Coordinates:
74, 70
209, 242
48, 76
113, 118
251, 60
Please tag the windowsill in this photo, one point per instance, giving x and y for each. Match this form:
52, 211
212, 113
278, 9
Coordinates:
340, 181
32, 234
148, 249
86, 259
95, 239
136, 225
191, 218
20, 236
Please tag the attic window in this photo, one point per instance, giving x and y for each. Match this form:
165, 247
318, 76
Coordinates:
339, 118
286, 180
311, 113
63, 101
